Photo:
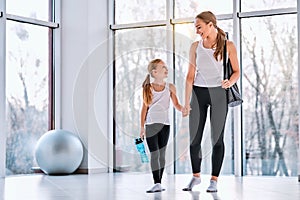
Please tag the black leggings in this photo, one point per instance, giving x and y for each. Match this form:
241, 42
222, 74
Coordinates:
202, 98
157, 136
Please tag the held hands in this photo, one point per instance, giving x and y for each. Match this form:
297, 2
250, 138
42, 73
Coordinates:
186, 110
226, 84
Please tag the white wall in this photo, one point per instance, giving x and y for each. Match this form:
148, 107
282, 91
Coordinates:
84, 75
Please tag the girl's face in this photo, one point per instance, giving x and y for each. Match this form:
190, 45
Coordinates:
161, 70
202, 28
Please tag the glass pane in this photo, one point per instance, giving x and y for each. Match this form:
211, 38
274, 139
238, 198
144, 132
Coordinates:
184, 36
191, 8
134, 49
131, 11
270, 90
255, 5
26, 93
37, 9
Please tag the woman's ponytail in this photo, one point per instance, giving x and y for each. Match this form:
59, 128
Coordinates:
220, 44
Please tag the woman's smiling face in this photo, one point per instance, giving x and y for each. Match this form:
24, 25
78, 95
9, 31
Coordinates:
202, 28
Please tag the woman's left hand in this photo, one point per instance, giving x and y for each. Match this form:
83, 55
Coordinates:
142, 133
226, 84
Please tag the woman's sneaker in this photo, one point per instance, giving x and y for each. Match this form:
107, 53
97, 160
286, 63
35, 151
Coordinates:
212, 187
156, 188
193, 182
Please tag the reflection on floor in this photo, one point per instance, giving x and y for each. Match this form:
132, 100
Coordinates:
132, 186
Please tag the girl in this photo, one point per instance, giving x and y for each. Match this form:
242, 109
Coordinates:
155, 123
204, 82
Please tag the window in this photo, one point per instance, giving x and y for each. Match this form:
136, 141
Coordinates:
135, 45
36, 9
191, 8
265, 128
270, 118
134, 48
184, 36
256, 5
28, 80
131, 11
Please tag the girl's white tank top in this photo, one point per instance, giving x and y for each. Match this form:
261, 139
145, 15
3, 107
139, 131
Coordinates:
158, 111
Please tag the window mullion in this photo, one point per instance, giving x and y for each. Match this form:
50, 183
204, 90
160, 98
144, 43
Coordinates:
298, 24
2, 91
264, 13
237, 121
139, 25
57, 66
31, 21
169, 50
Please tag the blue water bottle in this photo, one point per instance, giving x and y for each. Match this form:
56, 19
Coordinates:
141, 149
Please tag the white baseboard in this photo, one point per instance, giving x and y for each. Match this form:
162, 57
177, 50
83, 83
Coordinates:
97, 170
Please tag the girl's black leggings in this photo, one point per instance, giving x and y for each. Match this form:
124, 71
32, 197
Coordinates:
202, 98
157, 136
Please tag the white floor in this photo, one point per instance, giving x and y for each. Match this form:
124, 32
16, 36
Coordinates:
132, 186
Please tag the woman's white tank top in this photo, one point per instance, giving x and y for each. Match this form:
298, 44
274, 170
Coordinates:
209, 71
158, 111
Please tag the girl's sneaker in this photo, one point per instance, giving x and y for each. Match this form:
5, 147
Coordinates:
156, 188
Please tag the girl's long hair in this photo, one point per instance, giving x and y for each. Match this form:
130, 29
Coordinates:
207, 17
147, 94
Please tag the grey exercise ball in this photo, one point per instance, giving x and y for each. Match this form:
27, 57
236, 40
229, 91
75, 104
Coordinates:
58, 152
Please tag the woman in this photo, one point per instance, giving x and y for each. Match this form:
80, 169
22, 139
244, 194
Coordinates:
205, 84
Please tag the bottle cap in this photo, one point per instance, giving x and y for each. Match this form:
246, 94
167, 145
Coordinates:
138, 140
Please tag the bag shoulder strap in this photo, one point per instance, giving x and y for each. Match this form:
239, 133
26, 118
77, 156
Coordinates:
225, 60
